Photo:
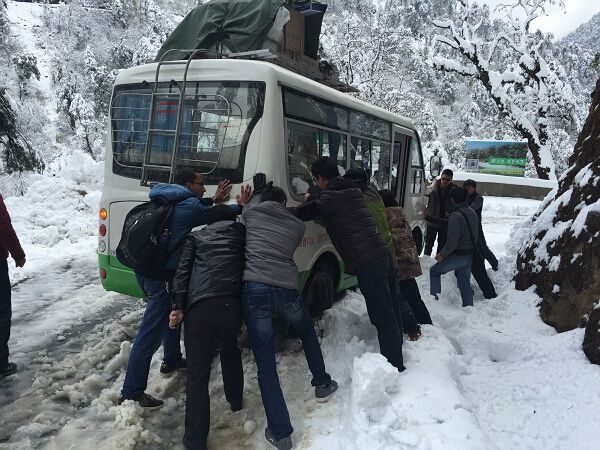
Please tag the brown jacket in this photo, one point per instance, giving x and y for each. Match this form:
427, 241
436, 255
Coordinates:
404, 245
436, 213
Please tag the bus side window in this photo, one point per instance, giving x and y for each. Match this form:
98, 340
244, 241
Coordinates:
334, 146
360, 154
416, 167
302, 149
381, 165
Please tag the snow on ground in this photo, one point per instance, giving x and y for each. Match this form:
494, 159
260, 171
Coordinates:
488, 377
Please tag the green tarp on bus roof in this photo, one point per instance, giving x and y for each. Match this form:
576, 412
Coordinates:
238, 25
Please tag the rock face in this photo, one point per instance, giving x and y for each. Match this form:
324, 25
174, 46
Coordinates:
591, 341
562, 255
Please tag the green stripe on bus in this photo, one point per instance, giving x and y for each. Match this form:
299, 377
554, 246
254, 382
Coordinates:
118, 279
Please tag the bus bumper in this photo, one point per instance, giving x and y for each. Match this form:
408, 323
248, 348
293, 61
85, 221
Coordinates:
117, 279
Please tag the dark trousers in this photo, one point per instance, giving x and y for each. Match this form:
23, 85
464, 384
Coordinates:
5, 313
378, 283
481, 276
442, 236
410, 291
260, 302
207, 324
405, 314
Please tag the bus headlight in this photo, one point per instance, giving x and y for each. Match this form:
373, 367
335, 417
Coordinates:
101, 246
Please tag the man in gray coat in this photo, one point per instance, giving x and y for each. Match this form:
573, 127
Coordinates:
457, 254
270, 287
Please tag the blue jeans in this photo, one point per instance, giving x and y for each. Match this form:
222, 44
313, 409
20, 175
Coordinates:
461, 264
153, 329
260, 301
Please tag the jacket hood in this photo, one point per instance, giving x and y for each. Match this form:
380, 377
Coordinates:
457, 206
171, 192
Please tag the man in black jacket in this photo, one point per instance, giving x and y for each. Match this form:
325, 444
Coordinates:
341, 208
475, 201
207, 290
436, 213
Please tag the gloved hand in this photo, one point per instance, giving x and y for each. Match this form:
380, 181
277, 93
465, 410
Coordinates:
260, 182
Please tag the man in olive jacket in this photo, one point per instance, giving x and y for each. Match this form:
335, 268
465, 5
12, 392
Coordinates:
341, 208
436, 213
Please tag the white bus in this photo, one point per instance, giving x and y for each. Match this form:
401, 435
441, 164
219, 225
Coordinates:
231, 119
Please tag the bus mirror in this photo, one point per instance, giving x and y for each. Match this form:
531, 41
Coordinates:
435, 166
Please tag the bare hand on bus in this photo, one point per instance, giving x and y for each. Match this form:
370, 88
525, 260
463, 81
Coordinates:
306, 197
243, 198
20, 262
175, 318
223, 190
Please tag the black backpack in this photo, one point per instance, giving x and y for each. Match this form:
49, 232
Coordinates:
144, 245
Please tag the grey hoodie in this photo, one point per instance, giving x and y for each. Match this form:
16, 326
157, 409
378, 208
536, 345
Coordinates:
272, 235
459, 239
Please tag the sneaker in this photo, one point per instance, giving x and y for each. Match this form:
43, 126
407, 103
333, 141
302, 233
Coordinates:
436, 297
166, 370
495, 268
8, 370
325, 391
284, 443
145, 401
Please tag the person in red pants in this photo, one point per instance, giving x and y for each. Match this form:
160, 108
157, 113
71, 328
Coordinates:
9, 244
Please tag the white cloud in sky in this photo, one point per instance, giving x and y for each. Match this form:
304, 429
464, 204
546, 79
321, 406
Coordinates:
559, 21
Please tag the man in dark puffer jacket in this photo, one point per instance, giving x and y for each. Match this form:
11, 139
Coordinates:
341, 208
207, 289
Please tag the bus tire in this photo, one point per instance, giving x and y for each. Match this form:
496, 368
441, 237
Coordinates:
418, 238
319, 292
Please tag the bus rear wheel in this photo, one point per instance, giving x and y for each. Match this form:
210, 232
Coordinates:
319, 291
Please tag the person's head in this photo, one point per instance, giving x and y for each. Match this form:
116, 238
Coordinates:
388, 198
470, 186
358, 175
458, 195
446, 178
323, 170
189, 178
273, 194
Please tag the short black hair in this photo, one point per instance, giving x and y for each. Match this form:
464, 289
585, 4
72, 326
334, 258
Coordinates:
357, 174
274, 194
325, 167
388, 197
458, 195
448, 172
470, 182
185, 175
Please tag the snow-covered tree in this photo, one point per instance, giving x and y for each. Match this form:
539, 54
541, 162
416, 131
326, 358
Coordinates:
510, 64
26, 65
16, 154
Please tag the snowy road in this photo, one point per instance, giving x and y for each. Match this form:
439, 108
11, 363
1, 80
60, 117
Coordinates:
492, 376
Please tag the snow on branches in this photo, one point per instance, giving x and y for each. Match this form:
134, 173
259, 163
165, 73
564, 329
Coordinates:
512, 67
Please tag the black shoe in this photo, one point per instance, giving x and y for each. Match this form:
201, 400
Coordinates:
145, 401
166, 370
8, 370
495, 268
284, 443
325, 391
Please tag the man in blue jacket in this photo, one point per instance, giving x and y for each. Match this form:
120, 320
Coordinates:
189, 211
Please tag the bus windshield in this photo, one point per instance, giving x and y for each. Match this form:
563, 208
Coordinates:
216, 121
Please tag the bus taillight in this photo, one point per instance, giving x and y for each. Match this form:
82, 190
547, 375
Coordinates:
103, 274
103, 214
102, 230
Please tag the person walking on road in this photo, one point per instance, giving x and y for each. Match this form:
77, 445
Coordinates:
342, 209
436, 213
190, 210
207, 291
457, 254
9, 244
271, 288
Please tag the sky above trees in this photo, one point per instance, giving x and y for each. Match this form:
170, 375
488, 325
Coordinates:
561, 21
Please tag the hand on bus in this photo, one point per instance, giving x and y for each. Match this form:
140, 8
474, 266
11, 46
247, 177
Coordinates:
243, 198
223, 190
306, 197
175, 318
439, 257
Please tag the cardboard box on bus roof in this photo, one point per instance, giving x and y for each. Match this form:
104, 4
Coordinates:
294, 32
